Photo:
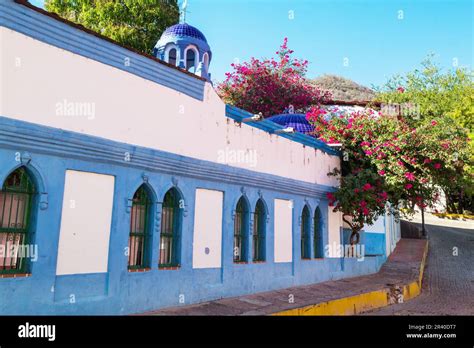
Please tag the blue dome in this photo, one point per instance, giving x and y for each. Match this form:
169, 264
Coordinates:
183, 30
297, 121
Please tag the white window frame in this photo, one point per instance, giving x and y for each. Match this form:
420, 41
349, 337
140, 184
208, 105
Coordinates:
196, 57
167, 52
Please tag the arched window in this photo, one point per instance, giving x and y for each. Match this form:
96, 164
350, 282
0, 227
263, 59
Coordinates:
170, 230
205, 61
16, 206
318, 235
305, 234
259, 232
241, 231
190, 60
138, 243
172, 56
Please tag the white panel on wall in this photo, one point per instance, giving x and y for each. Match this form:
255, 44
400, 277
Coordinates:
207, 242
283, 230
377, 227
334, 228
85, 223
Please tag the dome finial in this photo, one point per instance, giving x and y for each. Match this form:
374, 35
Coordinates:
182, 12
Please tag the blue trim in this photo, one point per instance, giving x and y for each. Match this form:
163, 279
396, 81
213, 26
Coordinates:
56, 33
238, 115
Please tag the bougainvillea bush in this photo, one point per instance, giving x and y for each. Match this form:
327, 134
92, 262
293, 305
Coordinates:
270, 85
386, 160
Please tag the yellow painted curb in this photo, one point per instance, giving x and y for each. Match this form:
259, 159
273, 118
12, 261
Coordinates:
414, 289
363, 302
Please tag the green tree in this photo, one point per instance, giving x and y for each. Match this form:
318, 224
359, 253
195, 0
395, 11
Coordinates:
446, 96
134, 23
434, 92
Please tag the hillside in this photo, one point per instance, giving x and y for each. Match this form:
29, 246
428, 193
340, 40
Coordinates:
344, 89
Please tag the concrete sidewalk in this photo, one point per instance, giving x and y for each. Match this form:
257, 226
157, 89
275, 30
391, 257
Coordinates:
398, 280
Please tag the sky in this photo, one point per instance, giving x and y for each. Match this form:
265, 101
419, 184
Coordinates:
364, 40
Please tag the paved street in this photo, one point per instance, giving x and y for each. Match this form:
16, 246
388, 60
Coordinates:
448, 283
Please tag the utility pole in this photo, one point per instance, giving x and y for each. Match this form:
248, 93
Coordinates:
423, 230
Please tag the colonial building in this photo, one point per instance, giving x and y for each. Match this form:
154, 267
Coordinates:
127, 185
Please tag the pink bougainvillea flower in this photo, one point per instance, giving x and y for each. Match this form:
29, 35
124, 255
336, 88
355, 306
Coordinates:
437, 165
408, 186
410, 176
427, 160
382, 172
401, 89
434, 123
384, 195
365, 211
367, 187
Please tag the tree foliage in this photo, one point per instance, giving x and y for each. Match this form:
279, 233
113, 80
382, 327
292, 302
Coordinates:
436, 93
134, 23
269, 86
447, 96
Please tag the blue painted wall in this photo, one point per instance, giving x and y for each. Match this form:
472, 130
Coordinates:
374, 243
49, 152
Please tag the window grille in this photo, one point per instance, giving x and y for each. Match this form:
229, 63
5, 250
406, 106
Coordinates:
139, 230
170, 226
259, 226
318, 235
305, 237
240, 231
16, 204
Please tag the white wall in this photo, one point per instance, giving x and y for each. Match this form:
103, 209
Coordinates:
377, 227
85, 223
130, 109
334, 231
283, 222
207, 241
